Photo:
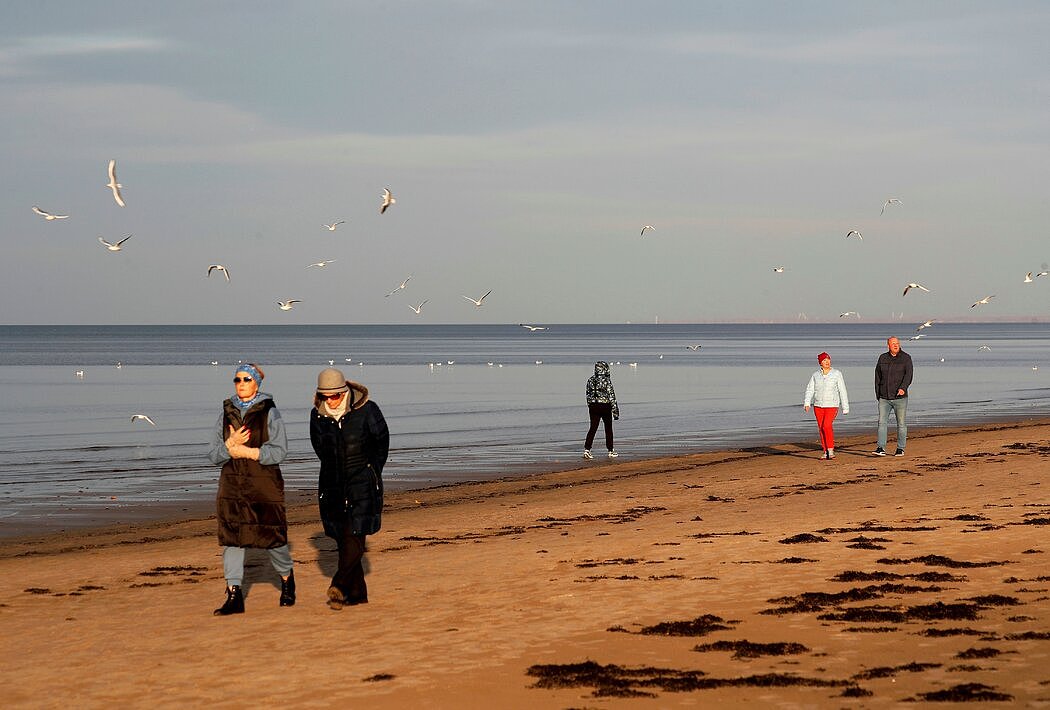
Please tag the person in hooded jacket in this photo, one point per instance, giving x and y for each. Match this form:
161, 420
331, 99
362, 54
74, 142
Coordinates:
351, 439
602, 406
249, 442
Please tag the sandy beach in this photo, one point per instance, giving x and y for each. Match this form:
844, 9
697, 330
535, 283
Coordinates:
762, 577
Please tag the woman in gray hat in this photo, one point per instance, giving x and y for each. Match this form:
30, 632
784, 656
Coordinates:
350, 437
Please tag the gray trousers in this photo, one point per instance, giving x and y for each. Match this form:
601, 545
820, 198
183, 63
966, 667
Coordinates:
233, 563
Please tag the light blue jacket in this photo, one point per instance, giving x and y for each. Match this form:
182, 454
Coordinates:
827, 390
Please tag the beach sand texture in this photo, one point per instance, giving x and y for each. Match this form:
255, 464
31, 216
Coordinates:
756, 578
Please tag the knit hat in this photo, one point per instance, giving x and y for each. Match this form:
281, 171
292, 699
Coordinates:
820, 358
331, 381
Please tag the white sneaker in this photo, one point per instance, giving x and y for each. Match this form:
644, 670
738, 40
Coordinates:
612, 453
587, 454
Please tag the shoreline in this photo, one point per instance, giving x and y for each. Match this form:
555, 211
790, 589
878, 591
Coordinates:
762, 577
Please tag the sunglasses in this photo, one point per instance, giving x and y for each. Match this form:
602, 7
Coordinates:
337, 395
238, 380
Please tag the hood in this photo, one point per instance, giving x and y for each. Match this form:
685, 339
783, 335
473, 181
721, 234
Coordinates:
358, 396
601, 369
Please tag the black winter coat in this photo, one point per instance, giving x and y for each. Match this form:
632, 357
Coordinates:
353, 452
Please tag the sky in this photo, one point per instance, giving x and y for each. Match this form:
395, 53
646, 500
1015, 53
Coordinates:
526, 144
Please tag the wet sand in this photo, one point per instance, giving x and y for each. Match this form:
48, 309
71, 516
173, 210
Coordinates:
762, 577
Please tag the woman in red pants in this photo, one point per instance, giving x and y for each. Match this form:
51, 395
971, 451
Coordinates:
826, 392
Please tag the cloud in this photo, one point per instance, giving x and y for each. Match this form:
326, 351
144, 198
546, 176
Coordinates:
19, 57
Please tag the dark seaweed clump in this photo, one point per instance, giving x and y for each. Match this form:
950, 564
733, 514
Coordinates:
818, 601
1030, 636
995, 600
936, 561
887, 671
802, 538
700, 626
794, 561
966, 692
747, 649
378, 677
938, 633
925, 612
978, 653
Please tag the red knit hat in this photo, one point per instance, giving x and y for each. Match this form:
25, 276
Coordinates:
820, 358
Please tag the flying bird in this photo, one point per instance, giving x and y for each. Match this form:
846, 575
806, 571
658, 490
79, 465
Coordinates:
401, 287
916, 337
927, 324
477, 302
114, 247
851, 232
532, 328
1027, 278
891, 201
983, 347
417, 309
983, 301
220, 267
331, 227
914, 285
113, 184
388, 199
648, 226
778, 269
321, 264
847, 314
694, 348
47, 215
287, 305
1042, 273
143, 417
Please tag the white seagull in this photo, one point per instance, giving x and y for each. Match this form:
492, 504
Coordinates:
847, 314
143, 417
401, 287
417, 309
851, 232
1028, 278
321, 264
113, 184
694, 348
648, 226
331, 227
47, 215
287, 305
114, 247
983, 347
1042, 273
220, 267
914, 285
533, 328
983, 301
891, 201
927, 324
477, 302
388, 199
778, 269
916, 337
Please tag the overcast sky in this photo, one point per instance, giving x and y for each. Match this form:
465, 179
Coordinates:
526, 143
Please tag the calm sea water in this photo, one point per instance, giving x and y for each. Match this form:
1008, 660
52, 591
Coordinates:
462, 402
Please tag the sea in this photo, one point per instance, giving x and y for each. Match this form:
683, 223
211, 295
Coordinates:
463, 402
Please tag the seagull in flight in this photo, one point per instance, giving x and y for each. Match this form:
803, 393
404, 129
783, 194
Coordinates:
983, 301
287, 305
321, 264
1042, 273
914, 285
419, 308
331, 227
401, 287
143, 417
532, 328
694, 348
648, 226
48, 216
778, 269
916, 337
1027, 278
477, 302
927, 324
851, 232
983, 347
113, 184
114, 247
891, 201
388, 199
220, 267
847, 314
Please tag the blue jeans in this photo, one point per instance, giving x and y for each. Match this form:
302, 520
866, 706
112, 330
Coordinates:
900, 408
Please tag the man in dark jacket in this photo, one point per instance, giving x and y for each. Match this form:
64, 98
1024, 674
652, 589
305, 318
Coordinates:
892, 380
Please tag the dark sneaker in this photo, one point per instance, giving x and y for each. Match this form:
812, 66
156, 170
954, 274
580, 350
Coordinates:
900, 452
879, 452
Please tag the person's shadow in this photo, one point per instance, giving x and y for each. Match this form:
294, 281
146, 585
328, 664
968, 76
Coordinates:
328, 555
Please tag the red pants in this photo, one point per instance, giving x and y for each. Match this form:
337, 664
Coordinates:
825, 418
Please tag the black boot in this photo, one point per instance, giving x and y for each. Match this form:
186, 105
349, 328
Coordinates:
288, 590
234, 603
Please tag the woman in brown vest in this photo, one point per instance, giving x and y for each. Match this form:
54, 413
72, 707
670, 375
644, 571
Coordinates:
249, 442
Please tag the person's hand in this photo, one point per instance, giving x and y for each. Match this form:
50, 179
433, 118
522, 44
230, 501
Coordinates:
237, 437
900, 393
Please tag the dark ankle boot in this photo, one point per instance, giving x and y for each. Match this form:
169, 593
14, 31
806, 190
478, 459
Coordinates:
234, 603
288, 590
